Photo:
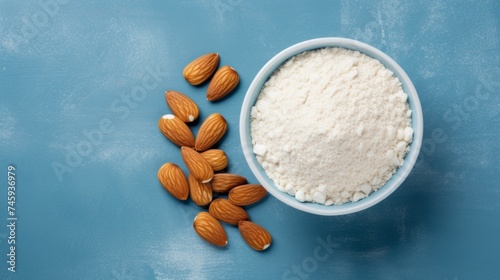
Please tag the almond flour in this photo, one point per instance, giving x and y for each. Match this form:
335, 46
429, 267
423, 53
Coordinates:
331, 126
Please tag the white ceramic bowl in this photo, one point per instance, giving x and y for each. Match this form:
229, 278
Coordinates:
350, 207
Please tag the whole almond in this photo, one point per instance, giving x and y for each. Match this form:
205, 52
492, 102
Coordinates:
224, 182
216, 158
223, 82
197, 165
254, 235
246, 194
210, 132
200, 69
223, 210
176, 130
201, 193
210, 229
182, 106
173, 180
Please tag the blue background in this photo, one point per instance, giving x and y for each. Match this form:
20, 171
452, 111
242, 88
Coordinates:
73, 68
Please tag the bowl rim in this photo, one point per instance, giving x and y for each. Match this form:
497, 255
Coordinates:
351, 207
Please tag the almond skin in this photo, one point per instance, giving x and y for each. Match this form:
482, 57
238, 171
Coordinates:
197, 165
210, 229
210, 132
201, 69
223, 210
173, 180
224, 182
176, 130
200, 193
246, 194
216, 158
223, 82
254, 235
182, 106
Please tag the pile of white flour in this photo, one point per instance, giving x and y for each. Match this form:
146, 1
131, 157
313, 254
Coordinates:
331, 126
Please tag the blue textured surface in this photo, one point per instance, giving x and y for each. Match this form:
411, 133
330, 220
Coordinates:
71, 68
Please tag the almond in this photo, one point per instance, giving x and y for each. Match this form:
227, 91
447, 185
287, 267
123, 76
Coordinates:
216, 158
173, 180
223, 82
254, 235
182, 106
210, 132
246, 194
223, 210
176, 130
200, 69
210, 229
201, 193
224, 182
197, 165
